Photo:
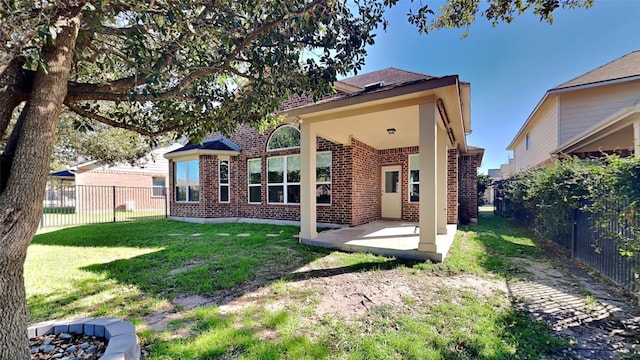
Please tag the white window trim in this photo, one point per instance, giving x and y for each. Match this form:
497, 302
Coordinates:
250, 185
164, 188
280, 149
285, 184
228, 184
330, 182
409, 182
188, 201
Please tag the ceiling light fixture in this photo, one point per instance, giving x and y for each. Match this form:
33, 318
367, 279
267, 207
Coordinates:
391, 131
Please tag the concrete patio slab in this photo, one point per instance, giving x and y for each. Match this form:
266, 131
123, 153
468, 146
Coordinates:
387, 238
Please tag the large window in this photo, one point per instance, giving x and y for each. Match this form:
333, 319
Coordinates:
223, 181
157, 186
283, 179
323, 178
187, 181
414, 178
255, 180
284, 137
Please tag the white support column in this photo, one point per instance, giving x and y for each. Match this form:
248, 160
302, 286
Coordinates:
428, 142
307, 182
441, 164
636, 138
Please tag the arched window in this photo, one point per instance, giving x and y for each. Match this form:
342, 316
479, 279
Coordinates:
284, 137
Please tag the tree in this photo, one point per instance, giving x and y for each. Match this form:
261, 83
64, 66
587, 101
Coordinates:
155, 67
484, 181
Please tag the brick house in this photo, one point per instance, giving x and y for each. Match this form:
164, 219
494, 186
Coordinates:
390, 145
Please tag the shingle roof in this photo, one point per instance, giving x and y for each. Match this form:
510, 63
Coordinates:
62, 173
620, 68
390, 76
216, 143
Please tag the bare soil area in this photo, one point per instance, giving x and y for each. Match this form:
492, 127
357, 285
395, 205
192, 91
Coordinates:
597, 320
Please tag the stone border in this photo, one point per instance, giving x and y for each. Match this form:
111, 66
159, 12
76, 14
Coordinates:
122, 342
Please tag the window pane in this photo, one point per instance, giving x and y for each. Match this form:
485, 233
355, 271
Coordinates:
194, 172
181, 193
276, 194
255, 171
224, 193
224, 172
157, 191
157, 181
255, 194
293, 194
284, 137
414, 176
323, 194
414, 196
391, 181
275, 170
414, 162
181, 173
194, 193
323, 167
293, 169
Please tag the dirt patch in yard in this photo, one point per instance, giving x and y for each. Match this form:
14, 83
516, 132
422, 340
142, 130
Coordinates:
578, 307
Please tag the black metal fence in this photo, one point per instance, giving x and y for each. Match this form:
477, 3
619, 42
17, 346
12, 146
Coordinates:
583, 236
81, 204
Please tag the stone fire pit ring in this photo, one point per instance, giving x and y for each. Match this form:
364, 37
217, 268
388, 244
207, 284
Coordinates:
120, 336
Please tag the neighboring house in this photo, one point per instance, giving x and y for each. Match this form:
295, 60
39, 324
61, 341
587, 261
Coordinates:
390, 144
89, 186
594, 114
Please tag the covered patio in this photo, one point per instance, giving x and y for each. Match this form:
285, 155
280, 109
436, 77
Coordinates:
387, 238
430, 114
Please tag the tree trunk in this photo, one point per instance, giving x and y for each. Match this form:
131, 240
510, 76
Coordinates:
21, 200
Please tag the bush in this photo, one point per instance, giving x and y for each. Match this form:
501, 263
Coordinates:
546, 197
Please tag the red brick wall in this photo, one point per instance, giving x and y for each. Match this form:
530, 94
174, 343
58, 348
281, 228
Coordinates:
452, 186
253, 144
356, 183
468, 187
365, 184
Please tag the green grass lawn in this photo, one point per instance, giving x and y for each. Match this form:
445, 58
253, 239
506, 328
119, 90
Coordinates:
130, 270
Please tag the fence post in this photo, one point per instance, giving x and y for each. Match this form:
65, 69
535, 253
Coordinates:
113, 189
574, 233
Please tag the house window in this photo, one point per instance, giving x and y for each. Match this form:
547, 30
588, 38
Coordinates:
223, 181
158, 186
414, 178
323, 178
187, 181
284, 137
283, 179
527, 142
255, 181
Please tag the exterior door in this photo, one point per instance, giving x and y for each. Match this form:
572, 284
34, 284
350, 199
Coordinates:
391, 192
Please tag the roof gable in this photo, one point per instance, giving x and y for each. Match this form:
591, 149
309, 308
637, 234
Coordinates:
220, 143
620, 68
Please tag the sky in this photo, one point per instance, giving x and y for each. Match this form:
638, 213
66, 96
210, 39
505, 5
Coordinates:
510, 66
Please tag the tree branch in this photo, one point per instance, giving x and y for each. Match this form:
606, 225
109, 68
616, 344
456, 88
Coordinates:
102, 119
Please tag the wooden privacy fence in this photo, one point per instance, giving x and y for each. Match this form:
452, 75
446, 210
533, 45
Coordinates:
83, 204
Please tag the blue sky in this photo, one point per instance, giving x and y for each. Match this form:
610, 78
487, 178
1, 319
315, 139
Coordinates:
510, 67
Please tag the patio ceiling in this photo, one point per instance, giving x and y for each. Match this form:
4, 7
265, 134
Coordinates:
368, 116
